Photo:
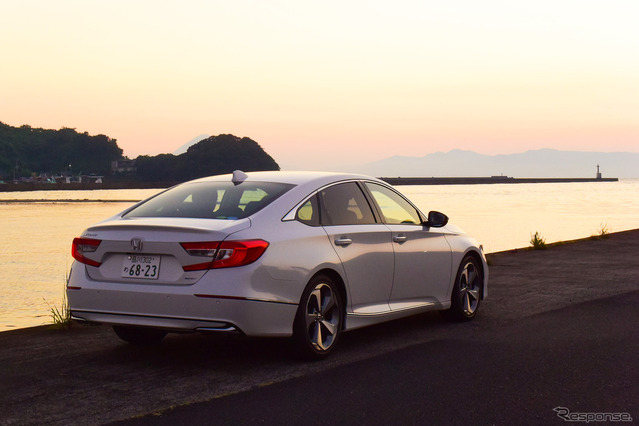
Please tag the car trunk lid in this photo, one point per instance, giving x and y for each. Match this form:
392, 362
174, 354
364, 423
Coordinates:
150, 251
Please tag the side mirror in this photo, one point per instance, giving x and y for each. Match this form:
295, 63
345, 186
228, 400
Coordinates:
436, 219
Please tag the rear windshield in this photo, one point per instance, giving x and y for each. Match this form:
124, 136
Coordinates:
211, 200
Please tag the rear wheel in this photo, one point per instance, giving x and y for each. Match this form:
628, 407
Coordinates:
139, 335
319, 320
467, 290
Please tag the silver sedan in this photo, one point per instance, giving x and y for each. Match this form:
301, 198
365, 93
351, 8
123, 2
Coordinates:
301, 254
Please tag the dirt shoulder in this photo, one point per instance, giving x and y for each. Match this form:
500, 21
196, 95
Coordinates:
85, 375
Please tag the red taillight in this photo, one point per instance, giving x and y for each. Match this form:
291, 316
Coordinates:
85, 245
207, 249
226, 254
238, 253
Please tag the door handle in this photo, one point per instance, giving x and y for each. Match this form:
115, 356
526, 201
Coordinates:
343, 241
399, 238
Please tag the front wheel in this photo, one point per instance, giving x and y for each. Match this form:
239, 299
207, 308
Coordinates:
467, 291
139, 335
319, 319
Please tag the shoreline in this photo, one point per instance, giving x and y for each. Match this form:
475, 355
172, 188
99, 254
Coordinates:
77, 186
490, 257
88, 186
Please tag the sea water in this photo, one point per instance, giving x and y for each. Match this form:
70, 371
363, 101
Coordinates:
36, 236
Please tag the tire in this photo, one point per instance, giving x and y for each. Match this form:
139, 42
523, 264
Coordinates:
139, 335
319, 319
466, 296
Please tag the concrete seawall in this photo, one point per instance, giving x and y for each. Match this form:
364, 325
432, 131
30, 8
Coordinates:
485, 180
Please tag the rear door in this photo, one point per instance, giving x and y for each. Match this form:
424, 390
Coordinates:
363, 246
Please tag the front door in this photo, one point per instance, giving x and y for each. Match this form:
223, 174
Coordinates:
422, 254
422, 266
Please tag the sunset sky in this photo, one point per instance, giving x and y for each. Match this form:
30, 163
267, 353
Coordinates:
320, 84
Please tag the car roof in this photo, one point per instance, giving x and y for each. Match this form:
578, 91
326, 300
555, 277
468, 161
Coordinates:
301, 178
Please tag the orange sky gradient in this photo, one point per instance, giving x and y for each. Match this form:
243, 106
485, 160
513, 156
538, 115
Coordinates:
320, 85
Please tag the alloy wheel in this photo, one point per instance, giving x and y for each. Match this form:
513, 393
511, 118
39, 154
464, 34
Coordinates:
322, 317
469, 287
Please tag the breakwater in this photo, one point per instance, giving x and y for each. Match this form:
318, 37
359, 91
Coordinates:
485, 180
81, 186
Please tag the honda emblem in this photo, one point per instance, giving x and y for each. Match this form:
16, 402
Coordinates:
136, 244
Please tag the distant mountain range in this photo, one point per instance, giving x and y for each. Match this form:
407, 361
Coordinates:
185, 147
537, 163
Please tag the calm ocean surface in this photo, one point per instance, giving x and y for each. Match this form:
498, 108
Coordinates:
36, 237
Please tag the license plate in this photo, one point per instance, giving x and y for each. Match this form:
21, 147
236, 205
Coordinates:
141, 266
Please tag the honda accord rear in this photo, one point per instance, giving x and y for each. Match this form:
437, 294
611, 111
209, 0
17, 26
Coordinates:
302, 254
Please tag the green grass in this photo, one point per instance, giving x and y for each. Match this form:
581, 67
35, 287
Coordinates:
60, 317
538, 242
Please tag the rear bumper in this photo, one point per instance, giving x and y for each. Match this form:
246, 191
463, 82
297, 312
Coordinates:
176, 324
195, 307
183, 312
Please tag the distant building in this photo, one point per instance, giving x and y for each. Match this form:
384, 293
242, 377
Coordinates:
91, 178
125, 166
598, 173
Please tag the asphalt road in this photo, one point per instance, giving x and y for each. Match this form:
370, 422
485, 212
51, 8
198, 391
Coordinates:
582, 358
559, 328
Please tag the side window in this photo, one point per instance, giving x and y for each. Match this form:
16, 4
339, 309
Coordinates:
345, 204
395, 209
309, 212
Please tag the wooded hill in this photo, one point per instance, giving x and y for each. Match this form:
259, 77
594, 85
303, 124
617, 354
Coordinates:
35, 150
27, 150
213, 156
